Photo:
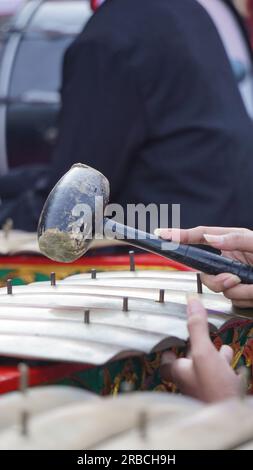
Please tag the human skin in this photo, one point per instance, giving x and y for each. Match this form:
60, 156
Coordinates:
234, 243
207, 374
242, 6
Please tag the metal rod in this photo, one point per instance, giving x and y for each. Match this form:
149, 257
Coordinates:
23, 387
132, 261
24, 422
199, 284
9, 286
142, 424
7, 228
87, 317
93, 274
161, 296
53, 279
125, 304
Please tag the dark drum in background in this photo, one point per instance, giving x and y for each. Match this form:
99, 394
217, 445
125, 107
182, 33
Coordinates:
31, 52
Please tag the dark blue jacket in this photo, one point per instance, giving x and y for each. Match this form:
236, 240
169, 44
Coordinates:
150, 99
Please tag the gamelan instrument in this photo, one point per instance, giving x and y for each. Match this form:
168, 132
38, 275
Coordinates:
222, 426
94, 319
39, 400
93, 423
68, 224
136, 421
99, 317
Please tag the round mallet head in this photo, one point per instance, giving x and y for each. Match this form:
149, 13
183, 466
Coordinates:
72, 210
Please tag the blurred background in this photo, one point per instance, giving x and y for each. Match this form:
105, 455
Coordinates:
34, 35
33, 38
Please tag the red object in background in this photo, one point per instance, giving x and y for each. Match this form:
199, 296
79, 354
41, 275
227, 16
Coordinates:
95, 4
39, 375
250, 19
104, 261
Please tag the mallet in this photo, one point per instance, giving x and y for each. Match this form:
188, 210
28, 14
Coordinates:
70, 219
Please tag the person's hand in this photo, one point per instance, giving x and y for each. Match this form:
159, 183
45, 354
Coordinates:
234, 243
207, 375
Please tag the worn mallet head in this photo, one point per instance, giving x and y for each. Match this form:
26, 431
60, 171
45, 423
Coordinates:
67, 222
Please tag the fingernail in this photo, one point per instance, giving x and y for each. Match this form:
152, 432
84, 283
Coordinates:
231, 281
168, 358
214, 239
163, 232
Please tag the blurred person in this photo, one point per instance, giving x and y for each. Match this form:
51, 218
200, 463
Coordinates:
149, 98
236, 44
242, 6
245, 8
248, 14
9, 8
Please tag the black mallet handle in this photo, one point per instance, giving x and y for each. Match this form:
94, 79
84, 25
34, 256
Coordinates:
201, 260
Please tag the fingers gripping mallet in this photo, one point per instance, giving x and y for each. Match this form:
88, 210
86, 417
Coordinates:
68, 224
